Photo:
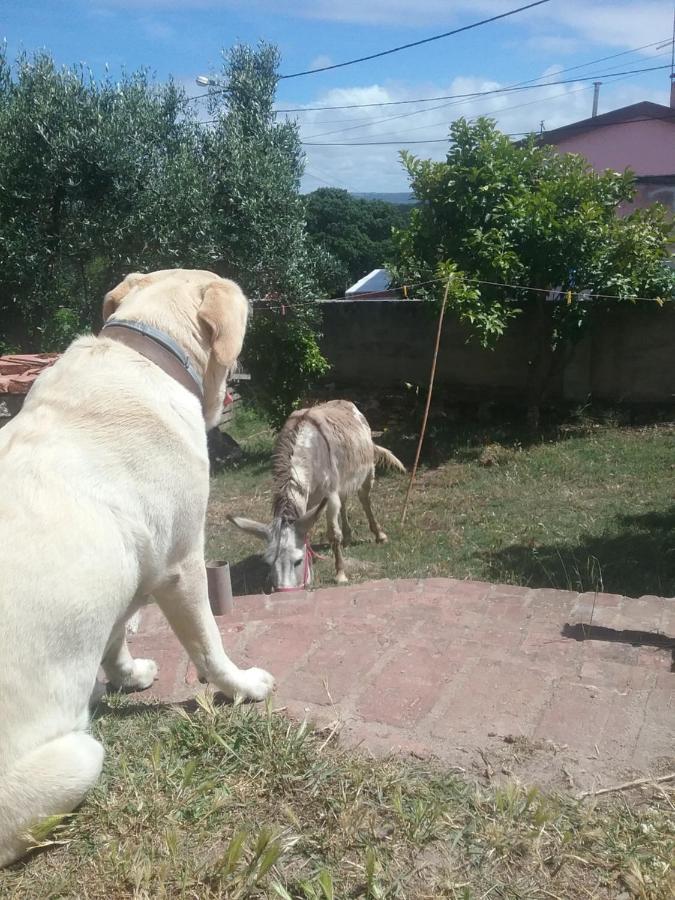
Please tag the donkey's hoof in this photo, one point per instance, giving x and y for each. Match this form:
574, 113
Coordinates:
381, 537
341, 578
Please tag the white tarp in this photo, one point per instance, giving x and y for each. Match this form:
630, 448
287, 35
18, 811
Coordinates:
377, 280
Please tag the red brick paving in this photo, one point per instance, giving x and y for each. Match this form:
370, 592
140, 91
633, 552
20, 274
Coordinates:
464, 671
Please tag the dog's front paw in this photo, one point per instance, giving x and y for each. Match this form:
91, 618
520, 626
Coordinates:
143, 673
255, 684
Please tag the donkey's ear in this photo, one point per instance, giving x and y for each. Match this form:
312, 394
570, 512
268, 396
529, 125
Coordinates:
305, 523
250, 526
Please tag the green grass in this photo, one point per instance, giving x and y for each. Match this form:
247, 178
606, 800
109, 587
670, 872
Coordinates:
237, 802
589, 507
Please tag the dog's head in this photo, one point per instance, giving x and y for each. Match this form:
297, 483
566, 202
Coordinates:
206, 315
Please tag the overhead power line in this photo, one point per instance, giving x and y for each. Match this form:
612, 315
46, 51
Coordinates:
495, 91
503, 90
667, 117
496, 112
302, 109
436, 37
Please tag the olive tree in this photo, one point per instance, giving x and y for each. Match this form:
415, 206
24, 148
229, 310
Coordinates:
100, 178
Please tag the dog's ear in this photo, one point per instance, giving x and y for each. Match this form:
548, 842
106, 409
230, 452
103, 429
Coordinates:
113, 298
224, 311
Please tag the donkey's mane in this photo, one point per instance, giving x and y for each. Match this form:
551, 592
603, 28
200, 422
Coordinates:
285, 482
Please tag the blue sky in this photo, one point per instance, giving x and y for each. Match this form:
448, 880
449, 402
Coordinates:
184, 38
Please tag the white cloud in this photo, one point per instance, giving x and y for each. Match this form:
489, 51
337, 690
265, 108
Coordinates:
320, 61
620, 23
547, 43
378, 168
156, 29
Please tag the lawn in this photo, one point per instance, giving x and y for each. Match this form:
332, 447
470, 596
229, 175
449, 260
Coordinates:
234, 802
213, 800
591, 506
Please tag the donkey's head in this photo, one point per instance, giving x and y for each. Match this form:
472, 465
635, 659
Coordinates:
287, 551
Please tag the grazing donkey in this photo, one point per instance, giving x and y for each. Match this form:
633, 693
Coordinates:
322, 455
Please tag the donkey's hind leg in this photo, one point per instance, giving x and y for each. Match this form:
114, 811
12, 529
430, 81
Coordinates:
364, 497
333, 514
346, 527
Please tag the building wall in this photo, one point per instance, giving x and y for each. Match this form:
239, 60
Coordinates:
654, 192
647, 147
625, 356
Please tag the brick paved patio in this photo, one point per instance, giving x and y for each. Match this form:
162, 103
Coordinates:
549, 686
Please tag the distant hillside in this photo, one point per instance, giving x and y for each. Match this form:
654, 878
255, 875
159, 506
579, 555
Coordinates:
390, 197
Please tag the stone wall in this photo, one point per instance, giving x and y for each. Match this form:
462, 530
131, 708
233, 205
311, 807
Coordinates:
626, 355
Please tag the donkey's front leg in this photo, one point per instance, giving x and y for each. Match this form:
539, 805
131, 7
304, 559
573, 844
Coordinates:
335, 536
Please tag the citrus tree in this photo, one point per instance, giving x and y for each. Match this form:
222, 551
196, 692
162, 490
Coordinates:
497, 213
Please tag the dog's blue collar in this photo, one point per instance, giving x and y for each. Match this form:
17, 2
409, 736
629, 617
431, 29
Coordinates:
164, 341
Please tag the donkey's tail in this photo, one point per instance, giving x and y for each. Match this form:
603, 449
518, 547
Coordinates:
386, 458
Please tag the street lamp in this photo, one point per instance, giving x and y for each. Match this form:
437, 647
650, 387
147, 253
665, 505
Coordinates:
205, 81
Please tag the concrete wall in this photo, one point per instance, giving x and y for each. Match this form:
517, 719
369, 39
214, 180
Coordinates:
626, 355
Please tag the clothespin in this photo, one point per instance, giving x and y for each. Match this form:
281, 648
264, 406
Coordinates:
283, 310
405, 292
568, 298
659, 300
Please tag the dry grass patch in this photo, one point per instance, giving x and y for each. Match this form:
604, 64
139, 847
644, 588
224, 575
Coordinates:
238, 802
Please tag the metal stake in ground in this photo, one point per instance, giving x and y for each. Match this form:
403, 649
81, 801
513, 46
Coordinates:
428, 403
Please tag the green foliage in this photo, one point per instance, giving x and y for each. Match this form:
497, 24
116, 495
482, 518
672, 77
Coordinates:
521, 214
525, 215
488, 319
98, 179
84, 172
255, 167
357, 233
283, 354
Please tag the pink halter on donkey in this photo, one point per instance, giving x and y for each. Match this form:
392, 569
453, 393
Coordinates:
309, 555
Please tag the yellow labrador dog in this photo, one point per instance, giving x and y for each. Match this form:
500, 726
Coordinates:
104, 478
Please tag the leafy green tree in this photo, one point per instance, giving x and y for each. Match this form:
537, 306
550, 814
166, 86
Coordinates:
254, 164
90, 179
521, 214
101, 178
355, 231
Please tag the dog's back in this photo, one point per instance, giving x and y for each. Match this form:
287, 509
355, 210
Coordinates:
104, 478
87, 516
